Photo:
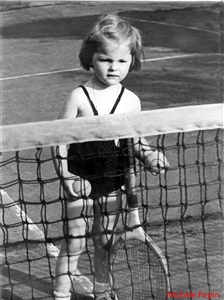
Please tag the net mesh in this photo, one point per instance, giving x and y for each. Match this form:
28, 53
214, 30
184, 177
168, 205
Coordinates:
137, 273
180, 210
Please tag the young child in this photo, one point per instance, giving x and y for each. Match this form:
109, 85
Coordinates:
112, 49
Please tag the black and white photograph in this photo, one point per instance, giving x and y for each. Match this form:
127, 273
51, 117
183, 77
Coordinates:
112, 150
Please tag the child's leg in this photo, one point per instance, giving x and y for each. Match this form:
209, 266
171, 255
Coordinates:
106, 214
72, 247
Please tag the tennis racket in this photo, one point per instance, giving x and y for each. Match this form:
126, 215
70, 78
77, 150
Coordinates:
138, 267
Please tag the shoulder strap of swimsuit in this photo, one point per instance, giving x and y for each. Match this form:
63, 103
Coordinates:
90, 101
117, 101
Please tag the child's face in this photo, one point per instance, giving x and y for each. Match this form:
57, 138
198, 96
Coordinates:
111, 62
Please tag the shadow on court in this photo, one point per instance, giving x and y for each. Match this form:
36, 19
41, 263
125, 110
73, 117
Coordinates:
187, 30
25, 286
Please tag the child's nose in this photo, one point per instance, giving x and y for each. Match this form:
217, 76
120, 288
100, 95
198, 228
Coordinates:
113, 66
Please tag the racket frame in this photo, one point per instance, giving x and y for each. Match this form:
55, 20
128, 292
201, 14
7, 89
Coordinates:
134, 229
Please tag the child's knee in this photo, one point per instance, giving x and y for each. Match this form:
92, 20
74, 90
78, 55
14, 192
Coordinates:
75, 245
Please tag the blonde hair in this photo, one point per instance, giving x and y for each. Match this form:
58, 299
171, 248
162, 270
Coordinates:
111, 27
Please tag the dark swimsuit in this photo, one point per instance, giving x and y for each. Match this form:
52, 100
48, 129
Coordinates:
102, 163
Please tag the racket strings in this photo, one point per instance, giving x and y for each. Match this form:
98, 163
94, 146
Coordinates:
137, 272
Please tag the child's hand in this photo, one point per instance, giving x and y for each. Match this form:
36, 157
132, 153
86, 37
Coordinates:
68, 187
77, 187
156, 162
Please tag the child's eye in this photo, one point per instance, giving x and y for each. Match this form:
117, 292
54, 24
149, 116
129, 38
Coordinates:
105, 60
123, 61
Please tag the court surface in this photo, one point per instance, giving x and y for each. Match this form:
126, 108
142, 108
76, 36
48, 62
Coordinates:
182, 66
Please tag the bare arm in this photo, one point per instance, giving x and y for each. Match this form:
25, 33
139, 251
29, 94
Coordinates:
60, 153
153, 160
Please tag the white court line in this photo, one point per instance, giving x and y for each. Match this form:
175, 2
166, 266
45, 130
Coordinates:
78, 69
39, 74
178, 56
52, 250
20, 214
175, 25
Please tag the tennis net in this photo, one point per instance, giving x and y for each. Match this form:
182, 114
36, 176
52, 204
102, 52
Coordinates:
181, 210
